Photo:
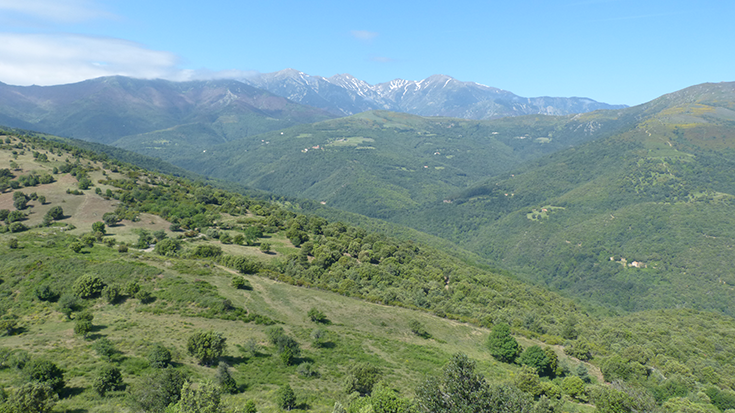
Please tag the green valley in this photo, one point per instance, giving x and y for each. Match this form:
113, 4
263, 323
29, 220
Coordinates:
111, 272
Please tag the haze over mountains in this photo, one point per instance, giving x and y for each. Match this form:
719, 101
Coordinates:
437, 95
106, 109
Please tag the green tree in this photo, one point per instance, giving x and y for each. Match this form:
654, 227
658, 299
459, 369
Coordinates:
108, 379
459, 389
206, 347
286, 398
20, 200
154, 392
225, 380
528, 381
205, 399
56, 213
288, 349
536, 358
574, 387
110, 219
88, 286
502, 345
385, 400
98, 227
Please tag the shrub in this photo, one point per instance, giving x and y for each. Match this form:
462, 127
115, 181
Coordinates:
15, 216
68, 303
273, 333
76, 247
122, 248
8, 327
20, 200
44, 293
207, 251
159, 356
44, 371
98, 227
265, 247
112, 293
87, 286
579, 349
32, 398
159, 234
307, 370
206, 347
105, 348
168, 247
288, 349
108, 379
249, 407
317, 335
144, 296
225, 380
316, 315
418, 329
158, 390
286, 398
131, 288
240, 283
82, 327
361, 378
17, 227
13, 243
204, 399
56, 213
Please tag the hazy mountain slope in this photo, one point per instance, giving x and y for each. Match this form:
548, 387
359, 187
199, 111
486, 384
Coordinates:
377, 163
437, 95
659, 194
107, 109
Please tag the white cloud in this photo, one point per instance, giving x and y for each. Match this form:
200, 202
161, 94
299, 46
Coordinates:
61, 11
364, 35
44, 59
206, 74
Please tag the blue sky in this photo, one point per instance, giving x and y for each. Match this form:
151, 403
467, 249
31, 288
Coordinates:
615, 51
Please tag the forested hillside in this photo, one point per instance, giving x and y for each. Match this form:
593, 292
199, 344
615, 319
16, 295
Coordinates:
128, 290
379, 163
636, 221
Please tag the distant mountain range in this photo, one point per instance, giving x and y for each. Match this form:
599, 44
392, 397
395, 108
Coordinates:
437, 95
198, 114
106, 109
